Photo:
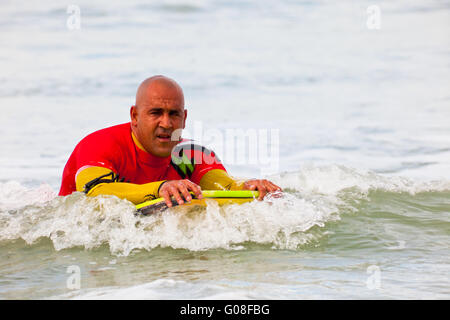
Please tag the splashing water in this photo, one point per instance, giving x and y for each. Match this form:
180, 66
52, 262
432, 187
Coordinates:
314, 197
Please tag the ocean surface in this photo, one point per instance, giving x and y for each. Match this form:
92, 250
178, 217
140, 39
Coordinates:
348, 106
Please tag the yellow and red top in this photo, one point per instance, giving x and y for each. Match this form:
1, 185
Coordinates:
112, 161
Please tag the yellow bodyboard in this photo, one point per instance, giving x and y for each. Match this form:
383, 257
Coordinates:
222, 197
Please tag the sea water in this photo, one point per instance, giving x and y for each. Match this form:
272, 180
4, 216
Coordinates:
353, 94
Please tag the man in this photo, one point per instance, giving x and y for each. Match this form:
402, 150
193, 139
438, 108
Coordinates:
146, 158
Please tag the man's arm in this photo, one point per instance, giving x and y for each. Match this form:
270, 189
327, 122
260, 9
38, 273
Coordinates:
218, 179
90, 180
215, 179
95, 181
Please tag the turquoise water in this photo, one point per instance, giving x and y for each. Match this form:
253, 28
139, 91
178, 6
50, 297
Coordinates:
363, 149
374, 244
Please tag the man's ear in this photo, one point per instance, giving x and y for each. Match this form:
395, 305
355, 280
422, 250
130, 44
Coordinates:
185, 116
133, 115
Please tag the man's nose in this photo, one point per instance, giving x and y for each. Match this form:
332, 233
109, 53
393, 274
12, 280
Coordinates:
165, 121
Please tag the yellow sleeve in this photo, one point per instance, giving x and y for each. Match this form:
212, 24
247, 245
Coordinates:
136, 193
218, 179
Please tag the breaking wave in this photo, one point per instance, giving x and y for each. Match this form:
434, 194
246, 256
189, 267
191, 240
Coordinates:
314, 196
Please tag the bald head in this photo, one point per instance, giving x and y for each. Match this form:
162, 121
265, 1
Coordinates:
160, 90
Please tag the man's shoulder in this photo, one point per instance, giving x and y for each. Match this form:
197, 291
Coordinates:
194, 150
106, 139
190, 145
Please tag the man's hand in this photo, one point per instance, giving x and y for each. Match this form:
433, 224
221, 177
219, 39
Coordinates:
263, 186
176, 188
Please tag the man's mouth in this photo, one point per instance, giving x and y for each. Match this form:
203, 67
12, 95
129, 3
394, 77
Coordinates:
164, 137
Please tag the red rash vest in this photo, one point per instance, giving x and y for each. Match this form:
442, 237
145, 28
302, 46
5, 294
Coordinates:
113, 148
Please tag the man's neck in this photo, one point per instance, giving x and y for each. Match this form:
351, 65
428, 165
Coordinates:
136, 141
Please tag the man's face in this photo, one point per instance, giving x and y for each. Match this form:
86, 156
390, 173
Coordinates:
154, 121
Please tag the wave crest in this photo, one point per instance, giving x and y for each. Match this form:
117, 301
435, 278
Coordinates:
313, 197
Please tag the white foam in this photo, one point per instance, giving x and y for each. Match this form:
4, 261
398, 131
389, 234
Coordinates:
317, 195
167, 289
13, 195
78, 220
333, 179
